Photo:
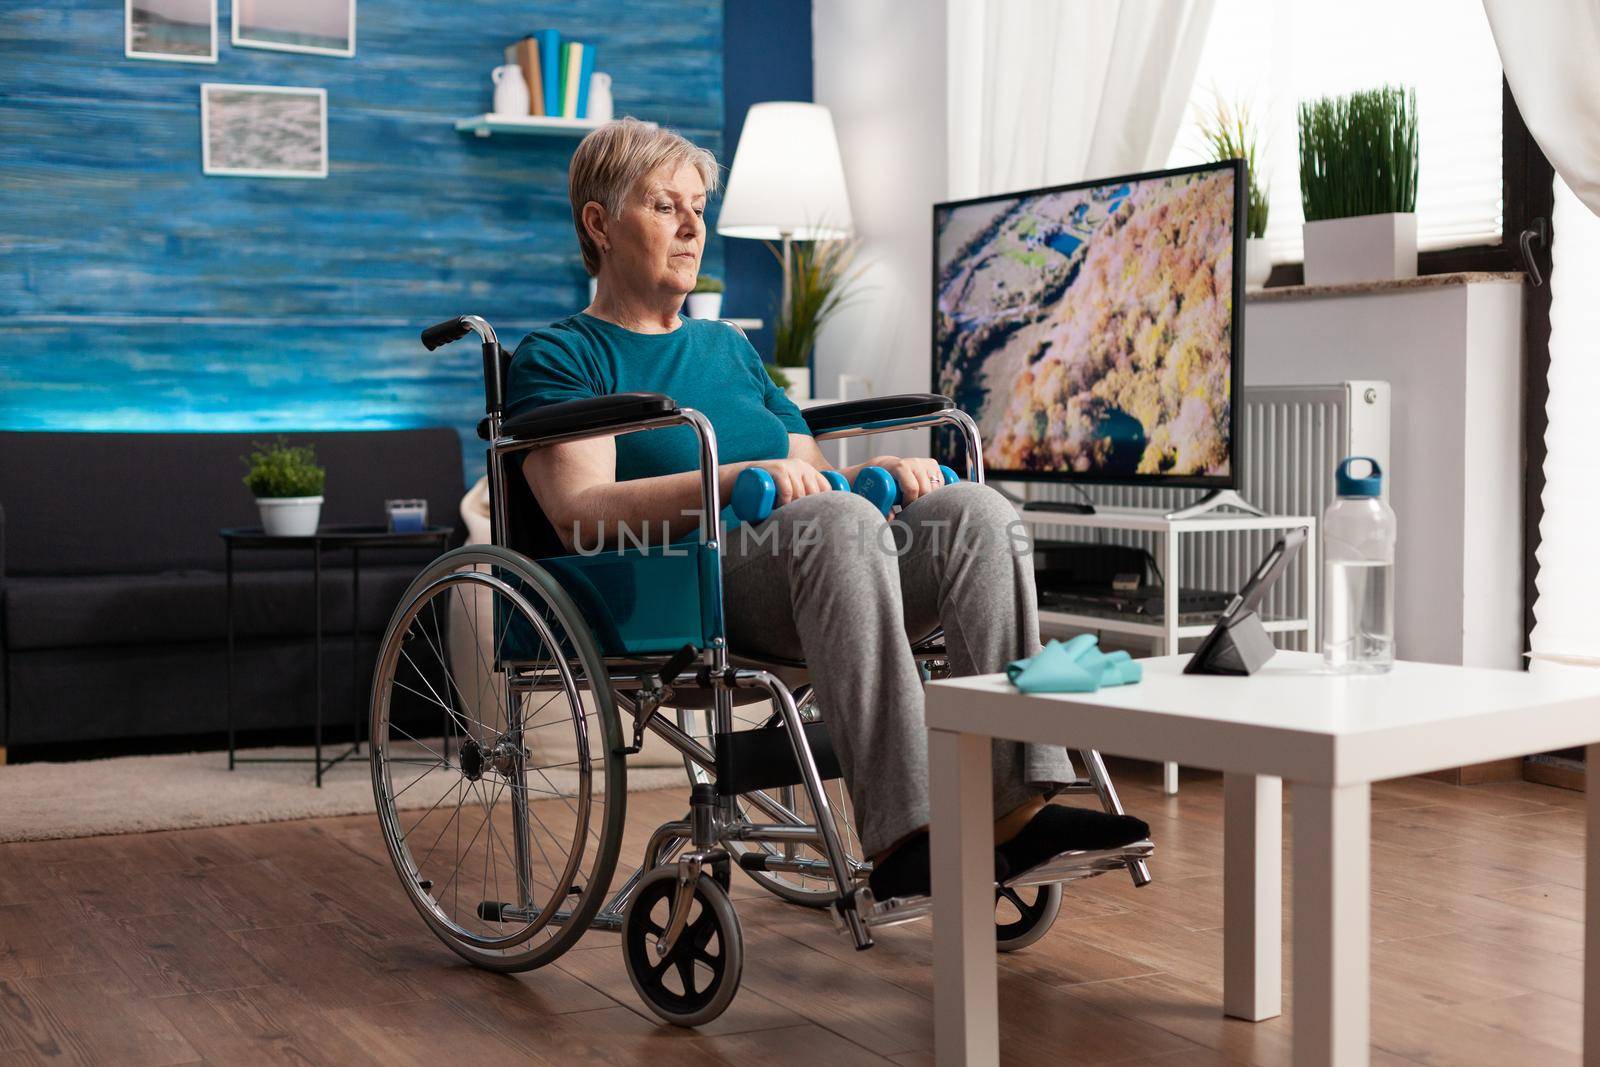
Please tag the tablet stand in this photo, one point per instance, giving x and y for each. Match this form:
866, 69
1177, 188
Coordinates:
1244, 647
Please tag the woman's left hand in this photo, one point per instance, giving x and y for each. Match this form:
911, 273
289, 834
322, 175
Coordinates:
915, 475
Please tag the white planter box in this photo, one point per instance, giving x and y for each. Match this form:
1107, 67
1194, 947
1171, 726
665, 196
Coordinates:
1257, 262
1366, 248
289, 516
705, 305
799, 383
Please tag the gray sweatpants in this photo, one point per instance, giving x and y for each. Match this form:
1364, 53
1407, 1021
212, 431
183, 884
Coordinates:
826, 576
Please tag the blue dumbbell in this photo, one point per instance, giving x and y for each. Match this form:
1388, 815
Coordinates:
755, 494
879, 486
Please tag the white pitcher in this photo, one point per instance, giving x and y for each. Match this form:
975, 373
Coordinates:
510, 91
599, 97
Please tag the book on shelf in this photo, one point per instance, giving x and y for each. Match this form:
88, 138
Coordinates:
525, 54
557, 73
585, 72
577, 59
549, 61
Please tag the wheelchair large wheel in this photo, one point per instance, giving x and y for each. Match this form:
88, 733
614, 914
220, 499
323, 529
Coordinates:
696, 981
806, 890
494, 735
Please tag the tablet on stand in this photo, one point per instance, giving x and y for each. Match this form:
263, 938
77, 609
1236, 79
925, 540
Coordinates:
1238, 643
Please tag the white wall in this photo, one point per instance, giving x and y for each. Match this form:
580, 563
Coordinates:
1452, 355
880, 67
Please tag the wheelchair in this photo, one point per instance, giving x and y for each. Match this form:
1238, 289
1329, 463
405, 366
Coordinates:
516, 678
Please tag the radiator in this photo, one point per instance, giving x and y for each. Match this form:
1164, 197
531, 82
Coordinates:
1291, 440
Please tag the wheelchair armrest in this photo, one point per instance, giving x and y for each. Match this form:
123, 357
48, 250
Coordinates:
618, 411
850, 414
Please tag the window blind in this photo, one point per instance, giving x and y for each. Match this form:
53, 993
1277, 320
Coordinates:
1271, 55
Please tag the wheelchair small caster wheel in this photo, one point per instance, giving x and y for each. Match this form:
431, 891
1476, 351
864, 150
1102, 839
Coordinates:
1024, 915
696, 981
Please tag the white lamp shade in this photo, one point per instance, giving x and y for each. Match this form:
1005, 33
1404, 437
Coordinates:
787, 178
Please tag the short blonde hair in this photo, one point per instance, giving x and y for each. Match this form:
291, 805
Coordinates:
614, 158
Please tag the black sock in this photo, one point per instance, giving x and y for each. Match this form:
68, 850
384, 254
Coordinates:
907, 871
1057, 829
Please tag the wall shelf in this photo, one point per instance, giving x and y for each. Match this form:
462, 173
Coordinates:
526, 125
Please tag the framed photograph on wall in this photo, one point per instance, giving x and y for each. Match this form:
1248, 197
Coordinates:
179, 31
318, 27
263, 131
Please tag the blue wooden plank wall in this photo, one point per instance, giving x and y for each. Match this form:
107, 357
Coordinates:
138, 294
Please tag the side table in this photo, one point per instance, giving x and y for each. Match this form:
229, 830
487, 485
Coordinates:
353, 538
1165, 631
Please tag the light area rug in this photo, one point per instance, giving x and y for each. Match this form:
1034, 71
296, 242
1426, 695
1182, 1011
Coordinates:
135, 794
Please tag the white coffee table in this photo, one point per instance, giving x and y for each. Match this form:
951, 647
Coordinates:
1329, 736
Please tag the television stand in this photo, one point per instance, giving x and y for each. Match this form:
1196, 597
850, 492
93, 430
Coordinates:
1217, 498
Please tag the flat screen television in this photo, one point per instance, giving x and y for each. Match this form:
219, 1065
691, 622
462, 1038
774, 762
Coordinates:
1093, 330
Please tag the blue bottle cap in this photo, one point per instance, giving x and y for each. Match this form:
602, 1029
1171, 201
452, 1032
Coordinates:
1349, 484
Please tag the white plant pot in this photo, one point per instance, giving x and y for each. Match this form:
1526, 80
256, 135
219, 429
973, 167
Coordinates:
1257, 262
289, 516
799, 383
1366, 248
705, 305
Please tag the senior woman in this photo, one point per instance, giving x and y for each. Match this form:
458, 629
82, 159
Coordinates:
818, 577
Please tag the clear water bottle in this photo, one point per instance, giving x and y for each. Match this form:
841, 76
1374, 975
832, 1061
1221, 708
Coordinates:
1358, 533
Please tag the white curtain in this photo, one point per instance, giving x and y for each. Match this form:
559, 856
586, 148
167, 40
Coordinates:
1549, 51
1567, 610
1045, 92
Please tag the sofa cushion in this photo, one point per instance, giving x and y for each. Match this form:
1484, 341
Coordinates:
121, 503
177, 607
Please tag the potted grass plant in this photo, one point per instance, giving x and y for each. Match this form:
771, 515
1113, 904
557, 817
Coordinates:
822, 282
287, 483
706, 300
1230, 133
1358, 184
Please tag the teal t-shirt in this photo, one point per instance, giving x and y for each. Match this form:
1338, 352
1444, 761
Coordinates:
703, 364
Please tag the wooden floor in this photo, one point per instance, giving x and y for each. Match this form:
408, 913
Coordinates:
291, 943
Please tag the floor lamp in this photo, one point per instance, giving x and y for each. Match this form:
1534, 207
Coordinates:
787, 181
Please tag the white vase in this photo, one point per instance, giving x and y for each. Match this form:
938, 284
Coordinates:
705, 305
599, 97
1366, 248
510, 91
289, 516
1257, 262
799, 383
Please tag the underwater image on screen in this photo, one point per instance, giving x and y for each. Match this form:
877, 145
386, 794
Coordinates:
1090, 331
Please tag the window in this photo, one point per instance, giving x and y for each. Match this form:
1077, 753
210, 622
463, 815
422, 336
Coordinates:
1271, 55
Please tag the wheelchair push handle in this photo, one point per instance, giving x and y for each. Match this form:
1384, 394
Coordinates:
442, 333
755, 494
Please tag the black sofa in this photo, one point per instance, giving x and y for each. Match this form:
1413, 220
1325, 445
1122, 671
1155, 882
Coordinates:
112, 591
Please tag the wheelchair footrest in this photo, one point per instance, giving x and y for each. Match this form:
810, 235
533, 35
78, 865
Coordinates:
763, 758
1067, 867
1071, 866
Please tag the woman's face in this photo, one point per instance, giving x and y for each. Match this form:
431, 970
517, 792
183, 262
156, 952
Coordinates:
657, 243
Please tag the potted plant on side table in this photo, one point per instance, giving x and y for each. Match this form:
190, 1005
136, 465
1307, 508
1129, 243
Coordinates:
287, 483
1358, 184
706, 300
1230, 134
819, 286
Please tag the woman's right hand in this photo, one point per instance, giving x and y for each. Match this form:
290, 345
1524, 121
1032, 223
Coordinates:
793, 478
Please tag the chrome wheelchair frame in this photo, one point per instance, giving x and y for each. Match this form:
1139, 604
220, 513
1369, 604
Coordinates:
674, 910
